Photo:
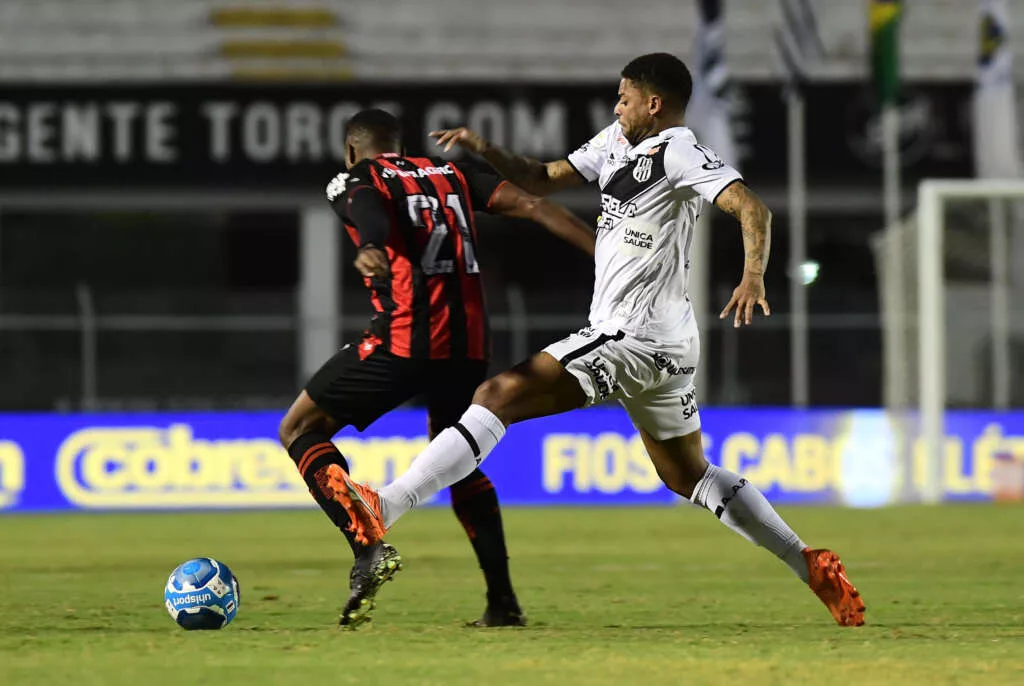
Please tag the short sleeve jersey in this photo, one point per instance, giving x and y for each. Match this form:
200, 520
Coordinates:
651, 196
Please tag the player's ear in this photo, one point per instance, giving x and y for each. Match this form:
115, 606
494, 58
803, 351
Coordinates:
350, 155
655, 104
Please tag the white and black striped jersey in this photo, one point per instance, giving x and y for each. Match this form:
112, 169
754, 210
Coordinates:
651, 196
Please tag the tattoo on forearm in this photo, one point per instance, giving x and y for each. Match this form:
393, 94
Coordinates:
755, 239
519, 169
755, 224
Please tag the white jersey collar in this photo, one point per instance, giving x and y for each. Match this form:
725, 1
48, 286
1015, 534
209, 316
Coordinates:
657, 139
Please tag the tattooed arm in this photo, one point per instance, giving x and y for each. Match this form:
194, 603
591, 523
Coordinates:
529, 174
756, 224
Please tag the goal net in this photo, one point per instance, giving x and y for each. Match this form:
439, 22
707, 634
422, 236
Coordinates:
952, 326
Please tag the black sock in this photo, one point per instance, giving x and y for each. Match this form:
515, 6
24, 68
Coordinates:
476, 505
312, 453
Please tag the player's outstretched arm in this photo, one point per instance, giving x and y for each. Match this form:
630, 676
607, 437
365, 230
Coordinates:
529, 174
756, 223
512, 201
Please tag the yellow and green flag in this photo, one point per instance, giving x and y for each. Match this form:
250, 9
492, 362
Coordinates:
884, 21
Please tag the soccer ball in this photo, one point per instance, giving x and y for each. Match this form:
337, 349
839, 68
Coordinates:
202, 593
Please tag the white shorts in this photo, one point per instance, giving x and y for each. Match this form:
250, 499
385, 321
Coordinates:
652, 380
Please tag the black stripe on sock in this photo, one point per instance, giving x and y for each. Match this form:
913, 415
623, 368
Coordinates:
469, 439
593, 345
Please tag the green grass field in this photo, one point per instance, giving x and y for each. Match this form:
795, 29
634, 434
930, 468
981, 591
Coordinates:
614, 596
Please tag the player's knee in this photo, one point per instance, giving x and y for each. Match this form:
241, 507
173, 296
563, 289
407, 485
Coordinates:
682, 465
486, 392
495, 393
678, 480
690, 476
296, 424
286, 431
682, 485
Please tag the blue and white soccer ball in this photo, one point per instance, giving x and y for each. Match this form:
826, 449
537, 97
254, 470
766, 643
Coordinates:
202, 593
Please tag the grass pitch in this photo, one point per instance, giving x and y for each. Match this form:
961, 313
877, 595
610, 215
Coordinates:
614, 596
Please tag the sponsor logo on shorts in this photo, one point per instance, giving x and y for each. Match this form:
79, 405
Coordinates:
690, 404
604, 382
663, 363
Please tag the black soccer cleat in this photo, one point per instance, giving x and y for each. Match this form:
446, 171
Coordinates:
374, 566
503, 611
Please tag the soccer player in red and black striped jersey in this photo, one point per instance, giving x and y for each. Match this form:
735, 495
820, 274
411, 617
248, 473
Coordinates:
412, 220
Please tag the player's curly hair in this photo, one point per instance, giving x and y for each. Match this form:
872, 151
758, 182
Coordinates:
376, 126
663, 74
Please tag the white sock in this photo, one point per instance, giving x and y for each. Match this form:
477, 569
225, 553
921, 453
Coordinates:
452, 455
745, 510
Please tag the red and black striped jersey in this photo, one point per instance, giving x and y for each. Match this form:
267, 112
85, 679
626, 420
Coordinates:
432, 305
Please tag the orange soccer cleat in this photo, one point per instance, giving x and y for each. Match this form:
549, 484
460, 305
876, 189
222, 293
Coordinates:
828, 581
362, 504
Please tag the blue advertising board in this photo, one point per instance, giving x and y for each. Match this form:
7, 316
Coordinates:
52, 462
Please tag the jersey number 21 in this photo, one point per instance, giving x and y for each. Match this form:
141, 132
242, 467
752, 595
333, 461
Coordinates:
439, 253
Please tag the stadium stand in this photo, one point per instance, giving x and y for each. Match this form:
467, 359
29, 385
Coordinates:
411, 39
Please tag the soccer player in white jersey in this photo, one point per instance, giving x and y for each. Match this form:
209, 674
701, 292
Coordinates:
642, 345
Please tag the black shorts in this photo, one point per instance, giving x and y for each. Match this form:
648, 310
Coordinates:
359, 391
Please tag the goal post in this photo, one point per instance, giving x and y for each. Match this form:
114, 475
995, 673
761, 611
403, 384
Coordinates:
980, 242
931, 327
